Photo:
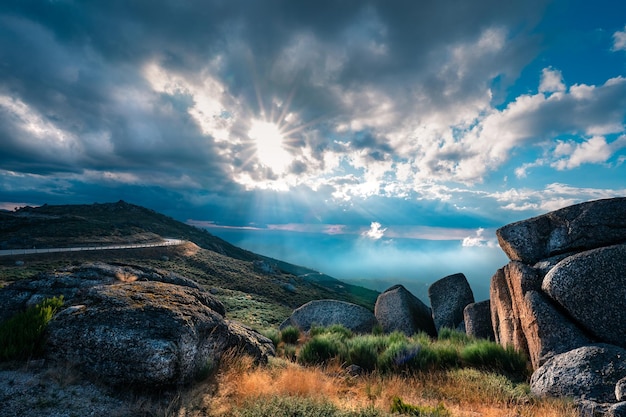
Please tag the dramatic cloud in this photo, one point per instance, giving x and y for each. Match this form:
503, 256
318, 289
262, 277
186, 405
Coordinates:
436, 119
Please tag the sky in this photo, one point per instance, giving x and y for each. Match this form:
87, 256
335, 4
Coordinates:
379, 142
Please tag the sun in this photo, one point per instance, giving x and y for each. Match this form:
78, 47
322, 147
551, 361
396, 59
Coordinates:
270, 145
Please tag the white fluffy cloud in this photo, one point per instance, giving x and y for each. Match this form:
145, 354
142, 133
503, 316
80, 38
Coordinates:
375, 232
594, 150
551, 81
619, 40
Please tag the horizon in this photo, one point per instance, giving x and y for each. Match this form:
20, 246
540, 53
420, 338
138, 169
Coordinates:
368, 141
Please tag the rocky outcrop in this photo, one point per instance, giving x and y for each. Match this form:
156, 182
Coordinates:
448, 297
477, 318
575, 228
591, 287
329, 312
562, 298
588, 372
398, 310
124, 329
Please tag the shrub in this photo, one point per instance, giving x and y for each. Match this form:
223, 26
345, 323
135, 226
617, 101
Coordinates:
398, 406
290, 335
364, 351
487, 355
339, 330
398, 355
22, 336
272, 334
320, 349
454, 336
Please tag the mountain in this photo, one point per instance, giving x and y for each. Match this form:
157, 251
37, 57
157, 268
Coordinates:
256, 290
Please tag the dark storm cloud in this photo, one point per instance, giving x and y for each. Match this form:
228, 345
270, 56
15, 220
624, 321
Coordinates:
74, 73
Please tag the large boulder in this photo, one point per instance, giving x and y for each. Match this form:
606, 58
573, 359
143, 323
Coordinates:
147, 334
448, 297
591, 287
575, 228
398, 310
134, 326
477, 318
329, 312
589, 373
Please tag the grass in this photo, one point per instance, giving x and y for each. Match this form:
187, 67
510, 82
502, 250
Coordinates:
396, 352
284, 388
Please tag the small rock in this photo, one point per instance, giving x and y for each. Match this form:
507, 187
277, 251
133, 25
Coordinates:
620, 390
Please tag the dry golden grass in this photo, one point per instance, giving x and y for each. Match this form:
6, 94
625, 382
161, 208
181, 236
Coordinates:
465, 393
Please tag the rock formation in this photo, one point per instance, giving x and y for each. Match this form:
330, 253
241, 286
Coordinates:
398, 309
448, 297
589, 372
477, 318
329, 312
135, 327
562, 298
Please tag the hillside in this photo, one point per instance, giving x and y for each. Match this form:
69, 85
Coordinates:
256, 290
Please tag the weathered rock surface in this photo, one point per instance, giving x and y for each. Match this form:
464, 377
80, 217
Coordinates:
571, 229
129, 326
72, 281
547, 331
398, 309
589, 372
448, 297
329, 312
525, 319
616, 410
477, 318
506, 326
591, 287
620, 390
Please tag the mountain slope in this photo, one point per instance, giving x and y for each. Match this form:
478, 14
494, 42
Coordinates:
257, 289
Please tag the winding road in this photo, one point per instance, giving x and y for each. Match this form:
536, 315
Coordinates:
166, 242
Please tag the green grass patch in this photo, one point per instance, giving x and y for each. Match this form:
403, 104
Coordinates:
22, 336
398, 353
398, 406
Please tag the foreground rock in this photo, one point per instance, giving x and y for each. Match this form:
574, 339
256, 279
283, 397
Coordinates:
130, 332
328, 312
448, 297
589, 372
398, 310
146, 333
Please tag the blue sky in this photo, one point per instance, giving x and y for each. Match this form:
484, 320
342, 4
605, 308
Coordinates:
377, 140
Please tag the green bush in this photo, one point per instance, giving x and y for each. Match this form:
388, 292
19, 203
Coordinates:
399, 356
290, 335
272, 334
364, 351
454, 336
484, 354
398, 406
22, 336
320, 349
